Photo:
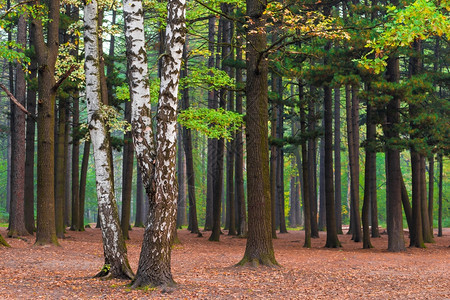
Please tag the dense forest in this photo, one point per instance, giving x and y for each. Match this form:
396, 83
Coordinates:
252, 118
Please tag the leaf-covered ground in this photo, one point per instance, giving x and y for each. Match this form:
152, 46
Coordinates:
206, 270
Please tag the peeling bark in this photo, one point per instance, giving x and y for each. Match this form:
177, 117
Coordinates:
116, 260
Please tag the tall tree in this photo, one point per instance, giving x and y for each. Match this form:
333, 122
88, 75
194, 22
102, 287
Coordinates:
158, 168
127, 175
259, 247
17, 212
116, 260
46, 54
337, 159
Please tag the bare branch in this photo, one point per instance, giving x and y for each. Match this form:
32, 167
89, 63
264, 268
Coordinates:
14, 100
64, 77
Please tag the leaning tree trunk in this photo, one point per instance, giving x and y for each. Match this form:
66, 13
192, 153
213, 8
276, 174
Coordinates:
116, 260
154, 263
259, 247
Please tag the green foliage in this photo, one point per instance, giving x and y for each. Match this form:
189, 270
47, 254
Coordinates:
417, 21
215, 123
207, 78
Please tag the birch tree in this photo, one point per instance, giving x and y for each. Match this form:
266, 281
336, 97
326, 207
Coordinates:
156, 158
116, 260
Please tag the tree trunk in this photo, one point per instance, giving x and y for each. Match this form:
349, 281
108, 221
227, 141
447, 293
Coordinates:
181, 173
259, 247
322, 207
30, 144
211, 142
430, 190
46, 53
17, 212
116, 260
416, 234
240, 195
158, 169
60, 169
312, 169
441, 167
394, 218
426, 228
280, 161
140, 210
187, 141
337, 159
332, 238
127, 175
76, 225
83, 178
368, 173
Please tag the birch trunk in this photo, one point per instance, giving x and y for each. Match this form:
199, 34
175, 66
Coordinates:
154, 263
116, 260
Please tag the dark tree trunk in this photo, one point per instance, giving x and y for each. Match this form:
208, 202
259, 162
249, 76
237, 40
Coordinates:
83, 177
332, 238
394, 218
17, 212
240, 195
30, 144
430, 190
322, 208
416, 234
60, 169
46, 54
140, 211
406, 205
426, 228
181, 172
187, 141
441, 167
312, 164
127, 175
352, 107
305, 170
212, 103
76, 165
368, 173
259, 247
337, 159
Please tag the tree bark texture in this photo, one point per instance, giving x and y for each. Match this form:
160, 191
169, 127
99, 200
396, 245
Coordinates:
83, 178
337, 159
116, 260
60, 169
259, 247
154, 262
127, 175
17, 212
46, 54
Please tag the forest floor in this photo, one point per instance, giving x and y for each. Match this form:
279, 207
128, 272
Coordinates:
205, 270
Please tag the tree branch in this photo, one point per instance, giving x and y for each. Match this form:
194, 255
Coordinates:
14, 100
219, 12
63, 78
13, 7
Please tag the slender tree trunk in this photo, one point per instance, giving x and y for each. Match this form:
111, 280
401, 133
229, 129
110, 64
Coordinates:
337, 159
83, 178
332, 238
312, 167
211, 142
416, 234
280, 161
139, 221
240, 195
181, 173
322, 208
17, 212
30, 143
368, 173
76, 225
426, 228
127, 175
60, 169
430, 190
441, 167
187, 141
116, 260
259, 247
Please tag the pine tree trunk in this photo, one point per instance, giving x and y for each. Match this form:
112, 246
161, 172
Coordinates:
127, 175
259, 247
30, 144
280, 160
17, 212
426, 228
394, 218
441, 167
76, 225
368, 173
322, 207
430, 190
181, 173
332, 238
116, 260
60, 169
312, 169
240, 195
337, 159
139, 221
83, 178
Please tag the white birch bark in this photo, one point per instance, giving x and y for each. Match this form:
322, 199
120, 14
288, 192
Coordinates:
116, 261
154, 264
